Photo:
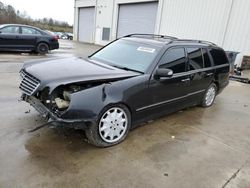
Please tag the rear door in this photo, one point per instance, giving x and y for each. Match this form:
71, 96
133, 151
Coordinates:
29, 37
9, 37
201, 73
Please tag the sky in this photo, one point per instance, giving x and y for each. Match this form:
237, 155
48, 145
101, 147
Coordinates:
61, 10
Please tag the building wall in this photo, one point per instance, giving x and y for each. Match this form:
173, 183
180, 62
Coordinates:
224, 22
237, 35
79, 4
116, 13
195, 19
106, 16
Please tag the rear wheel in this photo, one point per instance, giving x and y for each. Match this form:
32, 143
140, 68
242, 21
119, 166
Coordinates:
111, 128
42, 48
209, 96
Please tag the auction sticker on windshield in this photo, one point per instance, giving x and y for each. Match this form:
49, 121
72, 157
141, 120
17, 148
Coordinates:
146, 49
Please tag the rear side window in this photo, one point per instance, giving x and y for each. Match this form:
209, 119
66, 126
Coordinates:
207, 62
175, 60
30, 31
195, 58
219, 57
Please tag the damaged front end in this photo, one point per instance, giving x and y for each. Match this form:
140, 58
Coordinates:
55, 105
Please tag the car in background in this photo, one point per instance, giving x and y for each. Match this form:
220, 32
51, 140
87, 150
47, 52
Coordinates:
132, 80
14, 37
67, 36
59, 34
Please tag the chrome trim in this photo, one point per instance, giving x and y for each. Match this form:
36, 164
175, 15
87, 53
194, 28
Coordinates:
29, 83
168, 101
198, 70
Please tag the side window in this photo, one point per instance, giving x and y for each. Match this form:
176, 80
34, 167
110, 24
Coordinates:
10, 30
195, 58
29, 31
219, 57
207, 62
175, 60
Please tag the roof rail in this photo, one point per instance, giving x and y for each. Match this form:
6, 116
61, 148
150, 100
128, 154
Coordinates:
150, 35
207, 42
199, 41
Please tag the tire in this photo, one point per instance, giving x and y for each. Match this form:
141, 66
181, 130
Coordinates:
209, 96
42, 48
111, 128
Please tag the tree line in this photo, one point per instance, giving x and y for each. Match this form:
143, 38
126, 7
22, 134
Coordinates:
8, 15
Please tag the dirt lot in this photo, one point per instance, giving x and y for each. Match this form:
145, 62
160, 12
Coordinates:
192, 148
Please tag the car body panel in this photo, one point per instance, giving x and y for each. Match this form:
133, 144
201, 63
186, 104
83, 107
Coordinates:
73, 70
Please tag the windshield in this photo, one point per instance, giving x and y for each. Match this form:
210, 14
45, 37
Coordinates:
127, 55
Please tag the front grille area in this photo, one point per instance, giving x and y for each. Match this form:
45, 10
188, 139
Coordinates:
29, 83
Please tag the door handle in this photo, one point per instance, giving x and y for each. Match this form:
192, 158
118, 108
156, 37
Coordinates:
186, 80
209, 74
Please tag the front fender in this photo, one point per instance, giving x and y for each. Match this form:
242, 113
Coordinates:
87, 104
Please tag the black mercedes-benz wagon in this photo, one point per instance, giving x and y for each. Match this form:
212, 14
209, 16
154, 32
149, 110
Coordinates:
132, 80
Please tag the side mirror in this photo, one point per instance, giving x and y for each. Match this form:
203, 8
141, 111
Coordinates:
163, 73
0, 32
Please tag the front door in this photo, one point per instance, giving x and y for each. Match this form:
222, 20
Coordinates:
168, 94
9, 37
29, 37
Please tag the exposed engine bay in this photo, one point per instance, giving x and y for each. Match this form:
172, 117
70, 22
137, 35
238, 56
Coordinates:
59, 100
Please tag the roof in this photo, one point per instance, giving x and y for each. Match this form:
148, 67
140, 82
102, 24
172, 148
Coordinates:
161, 40
19, 25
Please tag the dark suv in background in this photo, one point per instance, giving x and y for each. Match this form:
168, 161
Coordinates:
131, 80
24, 38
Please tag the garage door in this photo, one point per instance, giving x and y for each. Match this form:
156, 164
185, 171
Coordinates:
86, 24
137, 18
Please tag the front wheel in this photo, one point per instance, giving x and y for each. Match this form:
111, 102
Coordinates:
112, 127
209, 96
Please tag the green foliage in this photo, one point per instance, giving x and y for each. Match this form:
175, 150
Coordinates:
8, 15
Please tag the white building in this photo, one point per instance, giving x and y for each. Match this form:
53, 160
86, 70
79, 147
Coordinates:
224, 22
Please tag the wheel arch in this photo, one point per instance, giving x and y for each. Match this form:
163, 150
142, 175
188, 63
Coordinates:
114, 104
42, 41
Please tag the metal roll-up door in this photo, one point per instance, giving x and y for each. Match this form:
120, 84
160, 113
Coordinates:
86, 24
137, 18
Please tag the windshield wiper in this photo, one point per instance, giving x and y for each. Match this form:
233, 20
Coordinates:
116, 66
125, 68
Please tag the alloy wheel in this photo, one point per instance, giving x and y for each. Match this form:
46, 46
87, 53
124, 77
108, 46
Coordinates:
210, 96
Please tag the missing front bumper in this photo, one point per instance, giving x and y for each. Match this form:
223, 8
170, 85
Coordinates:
52, 118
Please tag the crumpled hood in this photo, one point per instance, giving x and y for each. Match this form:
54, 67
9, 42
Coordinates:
72, 70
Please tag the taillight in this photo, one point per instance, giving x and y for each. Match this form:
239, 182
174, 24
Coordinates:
55, 37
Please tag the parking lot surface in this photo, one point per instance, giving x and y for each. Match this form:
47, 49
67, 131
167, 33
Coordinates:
196, 147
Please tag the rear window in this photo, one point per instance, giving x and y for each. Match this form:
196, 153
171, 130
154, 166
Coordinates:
219, 57
195, 58
30, 31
